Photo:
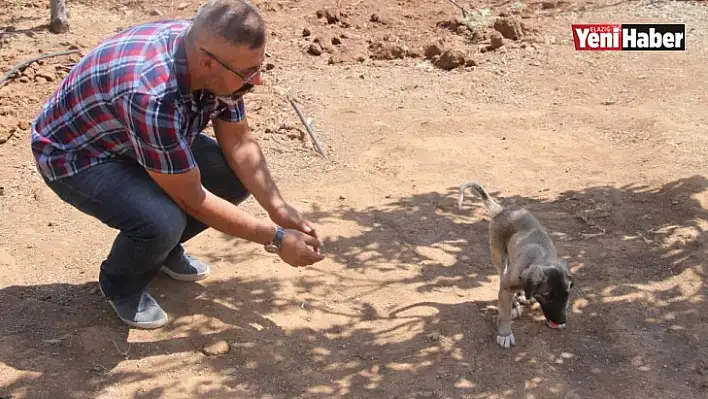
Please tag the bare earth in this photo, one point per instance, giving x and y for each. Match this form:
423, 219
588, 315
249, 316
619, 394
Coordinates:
608, 149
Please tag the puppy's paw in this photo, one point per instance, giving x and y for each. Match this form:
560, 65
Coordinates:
505, 340
520, 297
516, 311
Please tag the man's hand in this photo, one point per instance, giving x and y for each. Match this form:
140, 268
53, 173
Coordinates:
244, 156
290, 218
296, 250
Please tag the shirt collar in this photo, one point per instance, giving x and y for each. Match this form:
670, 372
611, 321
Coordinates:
181, 68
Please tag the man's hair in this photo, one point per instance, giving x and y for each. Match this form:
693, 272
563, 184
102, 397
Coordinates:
237, 22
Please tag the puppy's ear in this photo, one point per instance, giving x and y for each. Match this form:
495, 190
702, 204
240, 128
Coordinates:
533, 277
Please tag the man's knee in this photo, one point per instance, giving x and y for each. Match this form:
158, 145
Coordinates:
239, 198
161, 227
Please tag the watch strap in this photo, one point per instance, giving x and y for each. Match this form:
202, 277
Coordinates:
278, 240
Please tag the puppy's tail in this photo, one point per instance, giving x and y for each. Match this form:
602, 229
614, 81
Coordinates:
492, 205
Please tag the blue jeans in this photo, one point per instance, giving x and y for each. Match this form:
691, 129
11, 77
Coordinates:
151, 225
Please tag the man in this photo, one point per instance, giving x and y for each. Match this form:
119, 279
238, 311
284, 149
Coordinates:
121, 140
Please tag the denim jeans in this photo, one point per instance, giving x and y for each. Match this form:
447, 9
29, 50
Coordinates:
151, 225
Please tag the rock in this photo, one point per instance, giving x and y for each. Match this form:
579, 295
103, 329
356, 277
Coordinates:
547, 5
336, 41
217, 348
48, 75
335, 59
332, 17
306, 32
375, 18
451, 59
452, 25
314, 49
497, 40
432, 49
182, 6
155, 12
386, 51
509, 27
325, 44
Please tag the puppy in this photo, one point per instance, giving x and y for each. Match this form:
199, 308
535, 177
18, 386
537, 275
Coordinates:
527, 261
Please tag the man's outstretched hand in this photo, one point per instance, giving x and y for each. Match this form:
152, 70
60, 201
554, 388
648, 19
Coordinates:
301, 246
290, 218
300, 249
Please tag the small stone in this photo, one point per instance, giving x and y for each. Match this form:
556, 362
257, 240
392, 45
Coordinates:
182, 6
509, 27
451, 59
306, 32
384, 50
155, 12
432, 49
637, 361
217, 348
497, 40
336, 41
314, 49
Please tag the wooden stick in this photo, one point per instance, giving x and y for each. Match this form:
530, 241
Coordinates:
318, 147
464, 12
25, 64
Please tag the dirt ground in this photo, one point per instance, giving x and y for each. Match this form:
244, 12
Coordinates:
608, 149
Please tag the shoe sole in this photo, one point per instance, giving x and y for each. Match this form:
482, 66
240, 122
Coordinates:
185, 277
143, 325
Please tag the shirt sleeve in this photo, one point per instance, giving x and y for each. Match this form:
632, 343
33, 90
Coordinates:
155, 129
231, 112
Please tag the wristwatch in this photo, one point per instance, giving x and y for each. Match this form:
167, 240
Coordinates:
274, 246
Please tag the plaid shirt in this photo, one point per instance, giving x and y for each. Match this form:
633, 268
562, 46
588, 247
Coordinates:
128, 97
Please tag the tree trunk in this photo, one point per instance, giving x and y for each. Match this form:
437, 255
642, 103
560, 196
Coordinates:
59, 21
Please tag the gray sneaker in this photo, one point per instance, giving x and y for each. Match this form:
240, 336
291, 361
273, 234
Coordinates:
139, 310
186, 268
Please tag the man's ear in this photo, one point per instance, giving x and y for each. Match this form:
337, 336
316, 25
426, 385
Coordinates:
533, 277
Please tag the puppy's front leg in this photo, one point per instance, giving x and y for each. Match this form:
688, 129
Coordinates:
505, 338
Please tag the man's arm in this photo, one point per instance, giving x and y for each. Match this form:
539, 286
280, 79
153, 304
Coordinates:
187, 191
246, 159
154, 126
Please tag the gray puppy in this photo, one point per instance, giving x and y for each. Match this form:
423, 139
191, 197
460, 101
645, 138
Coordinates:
527, 261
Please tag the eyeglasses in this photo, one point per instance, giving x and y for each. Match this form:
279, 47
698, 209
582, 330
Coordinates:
246, 79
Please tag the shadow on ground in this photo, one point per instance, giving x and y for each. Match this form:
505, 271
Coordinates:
638, 313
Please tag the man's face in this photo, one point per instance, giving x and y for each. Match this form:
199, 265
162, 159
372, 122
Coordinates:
232, 71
